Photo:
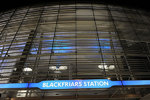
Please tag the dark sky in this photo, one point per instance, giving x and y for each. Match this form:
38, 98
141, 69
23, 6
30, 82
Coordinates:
139, 4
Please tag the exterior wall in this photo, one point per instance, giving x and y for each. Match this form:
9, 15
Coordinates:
79, 36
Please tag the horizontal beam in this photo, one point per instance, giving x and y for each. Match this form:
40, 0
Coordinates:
99, 97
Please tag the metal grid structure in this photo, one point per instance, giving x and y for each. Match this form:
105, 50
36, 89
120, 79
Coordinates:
81, 36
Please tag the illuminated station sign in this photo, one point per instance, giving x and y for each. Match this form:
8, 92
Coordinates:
75, 84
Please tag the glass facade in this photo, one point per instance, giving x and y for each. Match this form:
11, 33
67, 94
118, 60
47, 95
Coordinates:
75, 41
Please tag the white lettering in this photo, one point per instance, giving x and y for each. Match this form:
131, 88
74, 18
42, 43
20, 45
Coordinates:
88, 83
55, 84
59, 84
45, 84
95, 83
51, 85
72, 84
63, 84
106, 83
76, 83
80, 84
103, 83
92, 84
66, 83
85, 84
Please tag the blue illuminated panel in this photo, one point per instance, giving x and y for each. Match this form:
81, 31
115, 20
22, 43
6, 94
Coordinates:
14, 85
136, 82
75, 84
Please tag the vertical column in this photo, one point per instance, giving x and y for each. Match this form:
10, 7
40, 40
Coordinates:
2, 35
118, 35
52, 48
76, 60
26, 50
100, 50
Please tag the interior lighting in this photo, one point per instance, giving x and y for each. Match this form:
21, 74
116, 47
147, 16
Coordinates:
59, 68
63, 68
27, 69
107, 67
111, 67
52, 68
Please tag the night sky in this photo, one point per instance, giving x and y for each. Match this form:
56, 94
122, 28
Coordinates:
138, 4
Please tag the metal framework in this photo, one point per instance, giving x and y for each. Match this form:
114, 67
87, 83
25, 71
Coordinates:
81, 36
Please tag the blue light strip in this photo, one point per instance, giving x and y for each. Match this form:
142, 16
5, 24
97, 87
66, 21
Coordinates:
136, 82
76, 84
14, 85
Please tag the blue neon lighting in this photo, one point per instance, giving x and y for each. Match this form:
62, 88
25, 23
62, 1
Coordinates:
58, 48
14, 85
75, 84
64, 51
136, 82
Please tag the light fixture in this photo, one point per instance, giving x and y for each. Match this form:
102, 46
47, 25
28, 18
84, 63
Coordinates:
111, 67
52, 68
27, 69
59, 68
103, 66
107, 67
63, 68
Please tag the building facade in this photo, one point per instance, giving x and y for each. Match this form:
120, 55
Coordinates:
66, 41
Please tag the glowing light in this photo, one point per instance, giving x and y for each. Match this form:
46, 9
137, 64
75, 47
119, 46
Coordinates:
52, 68
102, 66
63, 67
111, 67
27, 69
14, 85
58, 68
75, 84
107, 67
